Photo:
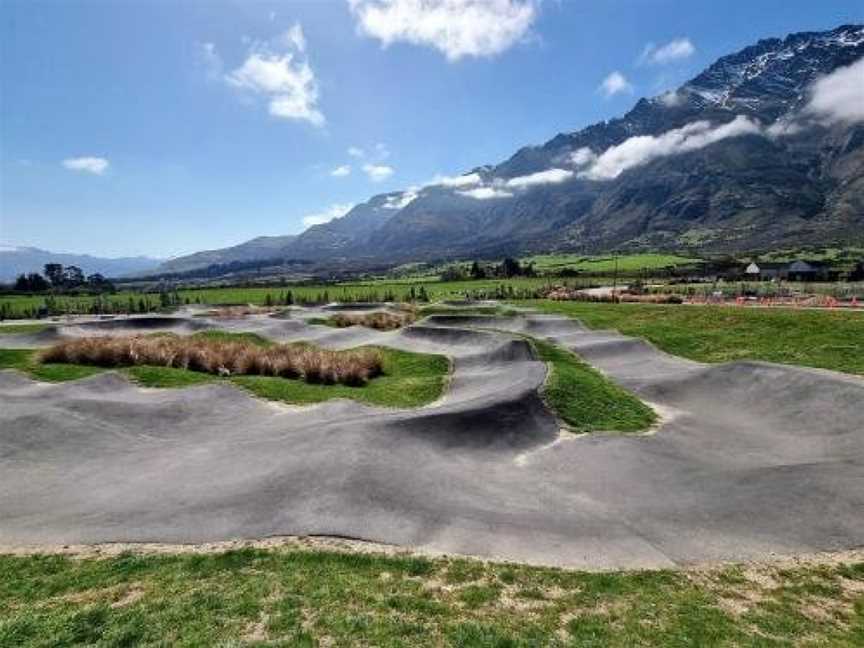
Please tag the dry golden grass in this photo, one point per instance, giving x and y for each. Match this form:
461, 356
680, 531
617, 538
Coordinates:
381, 320
236, 312
312, 364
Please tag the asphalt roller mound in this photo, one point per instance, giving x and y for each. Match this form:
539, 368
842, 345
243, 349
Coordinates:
751, 458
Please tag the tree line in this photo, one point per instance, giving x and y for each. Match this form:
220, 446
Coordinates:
58, 278
507, 269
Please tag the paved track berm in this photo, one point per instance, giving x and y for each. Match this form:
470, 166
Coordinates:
751, 458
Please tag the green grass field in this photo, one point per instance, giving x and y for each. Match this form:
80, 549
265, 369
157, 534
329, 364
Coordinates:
18, 329
409, 379
19, 306
551, 263
301, 597
627, 263
822, 339
585, 399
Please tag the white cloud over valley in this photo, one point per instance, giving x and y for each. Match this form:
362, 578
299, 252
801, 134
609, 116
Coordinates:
641, 149
341, 171
839, 96
457, 28
581, 156
466, 180
549, 176
500, 188
401, 200
485, 193
94, 165
334, 211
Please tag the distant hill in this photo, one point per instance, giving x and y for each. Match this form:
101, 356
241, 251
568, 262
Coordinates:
263, 247
758, 152
15, 260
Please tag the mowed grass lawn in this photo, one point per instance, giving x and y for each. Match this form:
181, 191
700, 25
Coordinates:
408, 379
822, 339
301, 597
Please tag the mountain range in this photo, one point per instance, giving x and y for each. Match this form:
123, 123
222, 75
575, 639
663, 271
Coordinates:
764, 149
15, 260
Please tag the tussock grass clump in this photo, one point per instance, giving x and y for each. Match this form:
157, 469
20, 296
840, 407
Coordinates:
294, 361
381, 320
237, 312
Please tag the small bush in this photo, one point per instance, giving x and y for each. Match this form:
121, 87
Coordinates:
314, 365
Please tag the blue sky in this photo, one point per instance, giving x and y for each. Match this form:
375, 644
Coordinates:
163, 128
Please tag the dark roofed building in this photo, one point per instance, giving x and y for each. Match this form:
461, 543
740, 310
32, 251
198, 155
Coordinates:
811, 271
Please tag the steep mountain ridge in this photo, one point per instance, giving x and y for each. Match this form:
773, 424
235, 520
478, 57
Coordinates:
729, 161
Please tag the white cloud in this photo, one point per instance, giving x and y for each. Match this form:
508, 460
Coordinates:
671, 99
208, 58
500, 188
457, 28
94, 165
549, 176
466, 180
334, 211
783, 127
294, 37
401, 200
381, 151
839, 96
582, 156
378, 172
284, 78
676, 50
378, 153
485, 193
341, 171
615, 83
644, 148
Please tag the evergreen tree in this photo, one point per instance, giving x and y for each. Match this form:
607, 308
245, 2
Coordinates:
477, 271
54, 272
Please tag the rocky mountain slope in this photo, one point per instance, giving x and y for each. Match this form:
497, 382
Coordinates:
763, 149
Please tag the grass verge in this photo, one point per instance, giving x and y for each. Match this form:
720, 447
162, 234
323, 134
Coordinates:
297, 597
585, 399
822, 339
18, 329
408, 379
